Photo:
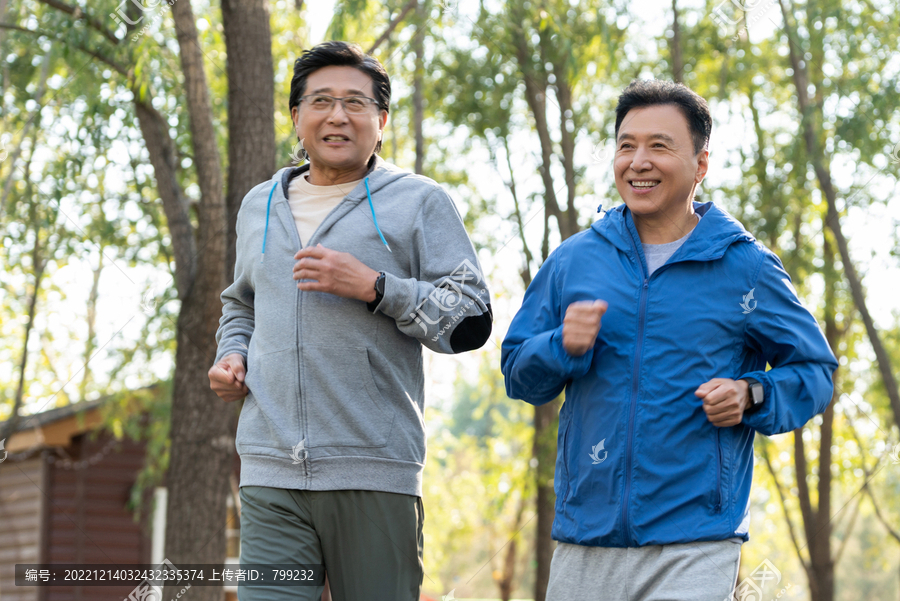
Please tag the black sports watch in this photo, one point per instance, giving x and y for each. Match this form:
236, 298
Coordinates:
757, 395
379, 288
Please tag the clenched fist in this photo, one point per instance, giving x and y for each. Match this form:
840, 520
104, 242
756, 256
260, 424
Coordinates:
724, 401
581, 325
226, 378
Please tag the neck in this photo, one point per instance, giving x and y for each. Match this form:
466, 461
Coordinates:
663, 228
325, 176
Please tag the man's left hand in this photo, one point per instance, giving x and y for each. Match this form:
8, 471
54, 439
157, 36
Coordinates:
334, 272
724, 400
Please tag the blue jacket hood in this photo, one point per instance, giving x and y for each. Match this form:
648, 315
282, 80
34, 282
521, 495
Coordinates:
716, 231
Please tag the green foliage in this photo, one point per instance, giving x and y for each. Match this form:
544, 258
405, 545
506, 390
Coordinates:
82, 186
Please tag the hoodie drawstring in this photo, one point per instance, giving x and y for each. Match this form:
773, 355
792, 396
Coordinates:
371, 207
266, 231
375, 219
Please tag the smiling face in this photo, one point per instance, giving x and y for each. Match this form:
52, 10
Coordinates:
655, 166
339, 144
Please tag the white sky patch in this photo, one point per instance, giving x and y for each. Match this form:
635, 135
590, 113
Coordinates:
318, 15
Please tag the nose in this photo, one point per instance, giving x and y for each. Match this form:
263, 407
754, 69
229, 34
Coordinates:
338, 113
640, 160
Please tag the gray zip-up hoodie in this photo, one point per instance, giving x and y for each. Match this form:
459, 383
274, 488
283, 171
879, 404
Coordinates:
336, 385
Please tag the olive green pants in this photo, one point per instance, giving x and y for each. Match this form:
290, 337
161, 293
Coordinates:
370, 542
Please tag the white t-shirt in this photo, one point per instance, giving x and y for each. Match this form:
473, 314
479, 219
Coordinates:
310, 204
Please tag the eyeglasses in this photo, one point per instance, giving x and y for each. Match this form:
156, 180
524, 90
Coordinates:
323, 103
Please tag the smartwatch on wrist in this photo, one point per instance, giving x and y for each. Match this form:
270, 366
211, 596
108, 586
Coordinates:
757, 395
379, 288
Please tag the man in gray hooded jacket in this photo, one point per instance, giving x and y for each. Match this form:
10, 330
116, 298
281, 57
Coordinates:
346, 267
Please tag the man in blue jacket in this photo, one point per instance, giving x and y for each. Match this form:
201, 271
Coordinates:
663, 401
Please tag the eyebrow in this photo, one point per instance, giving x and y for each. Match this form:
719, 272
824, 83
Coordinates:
327, 90
663, 137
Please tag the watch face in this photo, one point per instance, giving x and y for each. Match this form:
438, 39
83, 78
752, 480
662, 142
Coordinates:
379, 285
756, 391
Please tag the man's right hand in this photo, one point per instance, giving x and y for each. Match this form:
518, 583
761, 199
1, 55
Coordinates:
226, 378
581, 326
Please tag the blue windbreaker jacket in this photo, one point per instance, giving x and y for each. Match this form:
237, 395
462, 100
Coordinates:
638, 462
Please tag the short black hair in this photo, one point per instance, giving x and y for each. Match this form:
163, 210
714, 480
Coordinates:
653, 92
340, 54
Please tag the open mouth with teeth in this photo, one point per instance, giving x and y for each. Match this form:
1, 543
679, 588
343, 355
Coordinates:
643, 185
336, 138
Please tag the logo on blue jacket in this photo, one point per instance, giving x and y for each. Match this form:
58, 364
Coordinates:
748, 298
595, 453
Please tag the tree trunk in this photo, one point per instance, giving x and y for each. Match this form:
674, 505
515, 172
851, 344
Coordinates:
508, 574
817, 522
38, 264
386, 34
823, 175
675, 46
201, 429
90, 344
418, 77
161, 148
546, 423
251, 98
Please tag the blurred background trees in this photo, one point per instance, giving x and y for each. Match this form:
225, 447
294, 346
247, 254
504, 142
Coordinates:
130, 132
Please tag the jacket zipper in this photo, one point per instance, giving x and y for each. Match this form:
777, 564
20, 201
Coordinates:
634, 392
718, 472
300, 407
635, 386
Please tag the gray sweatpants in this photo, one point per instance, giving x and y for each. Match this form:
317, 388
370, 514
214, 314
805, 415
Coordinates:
704, 571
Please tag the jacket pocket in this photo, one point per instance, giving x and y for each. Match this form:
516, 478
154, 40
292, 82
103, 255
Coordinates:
269, 422
562, 488
343, 405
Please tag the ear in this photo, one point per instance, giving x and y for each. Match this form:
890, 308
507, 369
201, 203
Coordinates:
382, 122
295, 115
702, 166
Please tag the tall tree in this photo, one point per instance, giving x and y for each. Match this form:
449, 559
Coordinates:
251, 93
536, 58
202, 451
807, 72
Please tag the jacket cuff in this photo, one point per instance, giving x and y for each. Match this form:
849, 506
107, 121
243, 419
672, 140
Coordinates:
397, 295
573, 367
230, 348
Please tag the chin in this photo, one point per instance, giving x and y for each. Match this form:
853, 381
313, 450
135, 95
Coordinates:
641, 206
